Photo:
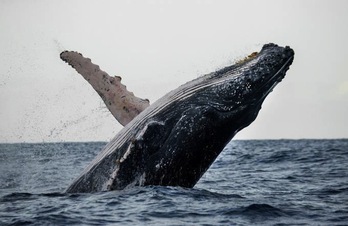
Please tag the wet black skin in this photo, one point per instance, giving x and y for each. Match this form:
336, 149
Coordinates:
175, 140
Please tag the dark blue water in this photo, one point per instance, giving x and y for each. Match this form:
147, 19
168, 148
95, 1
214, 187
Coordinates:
281, 182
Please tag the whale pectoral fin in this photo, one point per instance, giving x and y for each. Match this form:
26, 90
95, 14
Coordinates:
122, 104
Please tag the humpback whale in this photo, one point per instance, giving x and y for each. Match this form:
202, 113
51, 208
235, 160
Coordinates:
173, 141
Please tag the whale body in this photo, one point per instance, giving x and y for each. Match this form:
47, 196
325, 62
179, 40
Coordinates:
173, 141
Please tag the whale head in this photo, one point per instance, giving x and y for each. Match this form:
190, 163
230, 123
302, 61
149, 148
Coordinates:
202, 116
256, 76
239, 90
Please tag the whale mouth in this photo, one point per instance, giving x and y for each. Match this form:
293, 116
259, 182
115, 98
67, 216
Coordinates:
277, 77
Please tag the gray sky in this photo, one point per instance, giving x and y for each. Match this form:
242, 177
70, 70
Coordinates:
158, 45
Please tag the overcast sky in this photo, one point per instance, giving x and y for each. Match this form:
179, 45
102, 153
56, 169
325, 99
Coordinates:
158, 45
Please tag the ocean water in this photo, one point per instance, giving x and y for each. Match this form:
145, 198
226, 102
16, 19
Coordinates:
253, 182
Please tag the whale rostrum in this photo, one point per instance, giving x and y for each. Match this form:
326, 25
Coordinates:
173, 141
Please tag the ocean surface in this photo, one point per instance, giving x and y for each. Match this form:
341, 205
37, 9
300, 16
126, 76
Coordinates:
253, 182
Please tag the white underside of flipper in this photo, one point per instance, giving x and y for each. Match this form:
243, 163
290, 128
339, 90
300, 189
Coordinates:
123, 105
